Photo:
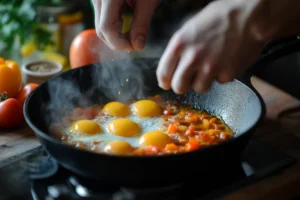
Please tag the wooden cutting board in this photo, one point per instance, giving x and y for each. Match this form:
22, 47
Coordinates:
15, 142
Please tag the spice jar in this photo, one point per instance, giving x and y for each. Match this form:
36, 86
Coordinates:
40, 71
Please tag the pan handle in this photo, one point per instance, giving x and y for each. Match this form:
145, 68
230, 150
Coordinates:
272, 51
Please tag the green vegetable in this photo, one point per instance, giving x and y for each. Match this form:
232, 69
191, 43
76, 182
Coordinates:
18, 19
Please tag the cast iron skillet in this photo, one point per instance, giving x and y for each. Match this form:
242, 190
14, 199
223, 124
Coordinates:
237, 102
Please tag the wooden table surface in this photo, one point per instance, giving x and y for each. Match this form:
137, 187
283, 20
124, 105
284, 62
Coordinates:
282, 133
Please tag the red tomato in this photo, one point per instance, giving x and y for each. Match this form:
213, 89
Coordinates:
11, 113
190, 132
193, 144
25, 91
87, 48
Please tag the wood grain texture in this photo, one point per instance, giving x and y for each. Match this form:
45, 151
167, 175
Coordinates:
14, 142
285, 184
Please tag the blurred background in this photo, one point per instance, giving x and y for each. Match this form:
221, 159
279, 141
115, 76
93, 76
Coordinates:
45, 29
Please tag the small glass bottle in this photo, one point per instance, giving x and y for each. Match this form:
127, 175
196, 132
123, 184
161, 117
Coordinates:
47, 16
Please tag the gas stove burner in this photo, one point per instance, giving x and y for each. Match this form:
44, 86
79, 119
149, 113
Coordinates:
81, 190
91, 189
172, 191
44, 167
58, 191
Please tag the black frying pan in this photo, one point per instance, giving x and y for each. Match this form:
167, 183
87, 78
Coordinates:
237, 102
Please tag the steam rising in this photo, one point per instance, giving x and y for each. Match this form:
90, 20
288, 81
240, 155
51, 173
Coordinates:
122, 79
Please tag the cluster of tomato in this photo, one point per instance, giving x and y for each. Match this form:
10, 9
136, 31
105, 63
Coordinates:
12, 94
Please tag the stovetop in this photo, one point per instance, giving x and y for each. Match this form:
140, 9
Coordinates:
36, 175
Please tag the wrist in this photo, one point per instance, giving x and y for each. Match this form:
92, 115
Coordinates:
262, 24
272, 19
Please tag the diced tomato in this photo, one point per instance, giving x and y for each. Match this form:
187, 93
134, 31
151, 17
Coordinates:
170, 110
189, 117
224, 136
193, 127
171, 147
190, 132
205, 125
167, 112
204, 116
203, 137
172, 129
217, 126
213, 132
193, 144
152, 150
183, 122
213, 120
182, 128
179, 138
194, 119
139, 151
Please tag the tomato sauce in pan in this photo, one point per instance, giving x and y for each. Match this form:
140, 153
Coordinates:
141, 128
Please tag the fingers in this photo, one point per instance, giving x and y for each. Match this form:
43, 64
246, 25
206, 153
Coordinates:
227, 71
204, 77
109, 25
143, 11
190, 61
169, 61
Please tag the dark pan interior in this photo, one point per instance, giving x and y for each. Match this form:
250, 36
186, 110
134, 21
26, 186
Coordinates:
125, 80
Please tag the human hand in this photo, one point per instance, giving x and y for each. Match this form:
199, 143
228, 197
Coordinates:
215, 44
108, 22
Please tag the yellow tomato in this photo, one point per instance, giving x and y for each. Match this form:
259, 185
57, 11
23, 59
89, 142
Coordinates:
10, 77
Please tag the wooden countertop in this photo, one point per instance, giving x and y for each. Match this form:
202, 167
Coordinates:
282, 133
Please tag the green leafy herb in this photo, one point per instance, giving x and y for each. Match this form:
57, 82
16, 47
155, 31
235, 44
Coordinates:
18, 19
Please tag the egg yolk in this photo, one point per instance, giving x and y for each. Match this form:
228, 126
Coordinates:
146, 108
116, 109
118, 147
123, 127
86, 126
155, 138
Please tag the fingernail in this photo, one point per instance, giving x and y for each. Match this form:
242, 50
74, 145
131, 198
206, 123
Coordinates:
162, 86
140, 41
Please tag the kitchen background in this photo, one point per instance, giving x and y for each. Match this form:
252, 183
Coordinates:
35, 29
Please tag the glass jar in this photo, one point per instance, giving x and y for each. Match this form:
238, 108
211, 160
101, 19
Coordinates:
47, 16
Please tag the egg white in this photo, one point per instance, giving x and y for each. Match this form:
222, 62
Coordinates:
147, 124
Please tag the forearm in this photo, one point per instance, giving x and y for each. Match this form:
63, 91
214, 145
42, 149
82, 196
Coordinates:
273, 19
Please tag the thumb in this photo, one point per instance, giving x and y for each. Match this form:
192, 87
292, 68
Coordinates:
143, 11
